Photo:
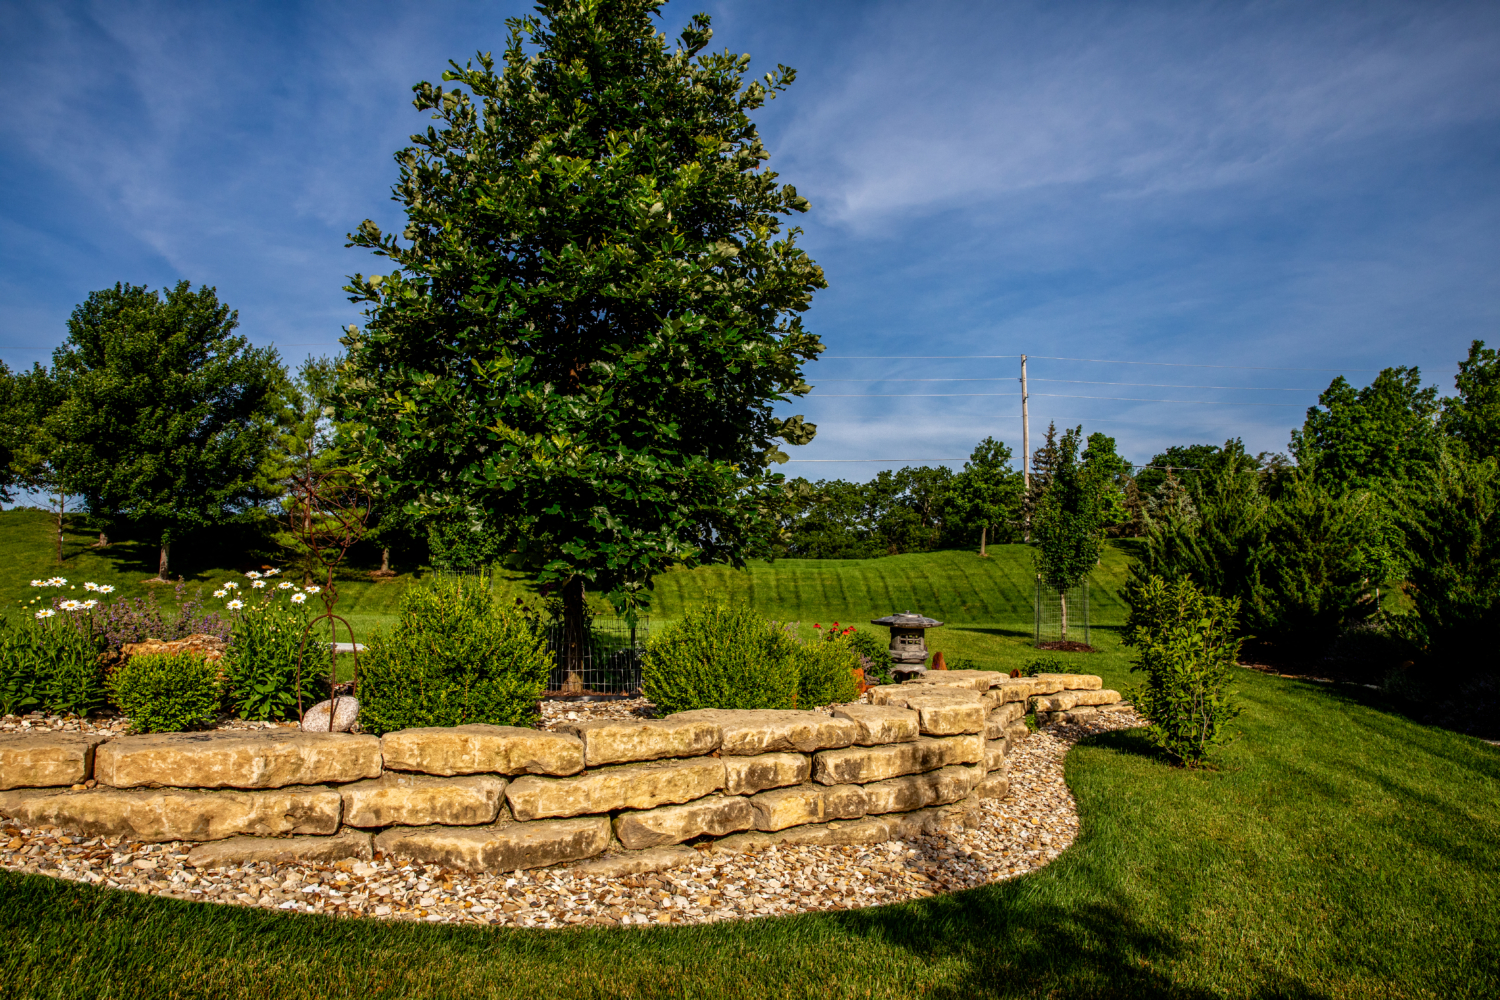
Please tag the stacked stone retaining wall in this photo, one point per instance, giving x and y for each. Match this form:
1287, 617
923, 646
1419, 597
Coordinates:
498, 798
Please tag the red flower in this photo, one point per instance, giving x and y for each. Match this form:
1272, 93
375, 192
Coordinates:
816, 625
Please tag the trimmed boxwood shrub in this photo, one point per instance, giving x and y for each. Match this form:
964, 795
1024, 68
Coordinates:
825, 671
167, 694
454, 657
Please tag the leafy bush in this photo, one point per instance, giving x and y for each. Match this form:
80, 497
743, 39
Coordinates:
260, 663
51, 663
825, 671
1186, 646
1042, 665
454, 657
167, 694
874, 653
721, 656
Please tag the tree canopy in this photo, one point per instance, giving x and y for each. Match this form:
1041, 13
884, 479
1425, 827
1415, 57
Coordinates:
595, 307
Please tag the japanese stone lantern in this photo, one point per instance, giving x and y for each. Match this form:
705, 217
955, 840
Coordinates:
908, 637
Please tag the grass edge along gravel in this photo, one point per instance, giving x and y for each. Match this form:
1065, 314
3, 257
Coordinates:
1338, 851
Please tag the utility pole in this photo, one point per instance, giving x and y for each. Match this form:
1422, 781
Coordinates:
1025, 431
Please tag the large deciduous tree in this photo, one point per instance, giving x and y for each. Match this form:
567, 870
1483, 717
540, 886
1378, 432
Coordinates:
988, 492
1381, 437
595, 306
164, 415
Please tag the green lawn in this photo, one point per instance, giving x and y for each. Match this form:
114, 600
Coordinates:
1341, 850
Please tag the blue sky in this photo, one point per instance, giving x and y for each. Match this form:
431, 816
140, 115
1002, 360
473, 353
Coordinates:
1265, 185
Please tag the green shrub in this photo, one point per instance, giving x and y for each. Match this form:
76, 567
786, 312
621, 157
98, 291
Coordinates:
874, 653
1042, 665
260, 664
454, 657
825, 671
51, 664
1186, 646
167, 694
721, 656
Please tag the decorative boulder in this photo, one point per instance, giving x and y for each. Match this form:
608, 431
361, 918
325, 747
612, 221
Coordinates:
336, 716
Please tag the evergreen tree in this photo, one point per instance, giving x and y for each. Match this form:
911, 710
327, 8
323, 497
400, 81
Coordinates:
1472, 418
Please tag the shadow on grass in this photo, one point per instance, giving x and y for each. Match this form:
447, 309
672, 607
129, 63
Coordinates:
1011, 633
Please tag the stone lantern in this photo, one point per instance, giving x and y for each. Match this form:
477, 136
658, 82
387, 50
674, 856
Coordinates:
908, 640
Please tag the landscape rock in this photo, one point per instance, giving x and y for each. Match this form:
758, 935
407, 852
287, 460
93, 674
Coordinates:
872, 830
1071, 682
784, 807
861, 765
622, 741
481, 749
280, 850
654, 859
748, 775
1064, 701
395, 799
881, 723
916, 791
210, 647
772, 730
973, 680
610, 789
501, 846
46, 759
996, 786
843, 802
715, 816
1013, 689
239, 758
337, 716
163, 814
994, 754
944, 715
996, 722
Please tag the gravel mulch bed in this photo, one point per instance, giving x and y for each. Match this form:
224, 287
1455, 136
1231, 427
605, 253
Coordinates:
1015, 835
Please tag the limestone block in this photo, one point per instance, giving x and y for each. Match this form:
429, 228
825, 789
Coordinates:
1065, 701
1047, 683
872, 830
844, 802
996, 722
1071, 682
277, 850
610, 789
43, 760
935, 819
396, 799
1016, 689
621, 741
995, 752
1017, 732
945, 716
748, 775
481, 749
769, 730
654, 859
784, 807
996, 786
974, 680
915, 791
881, 723
264, 758
163, 814
715, 815
861, 765
500, 846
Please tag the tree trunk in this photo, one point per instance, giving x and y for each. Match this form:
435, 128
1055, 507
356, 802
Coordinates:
161, 566
573, 627
983, 533
61, 501
1062, 597
385, 559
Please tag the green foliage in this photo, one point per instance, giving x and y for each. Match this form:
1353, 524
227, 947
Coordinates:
1068, 516
988, 493
455, 656
165, 414
721, 655
51, 664
1186, 645
1452, 529
1044, 665
260, 663
594, 310
1380, 437
167, 694
825, 670
1472, 418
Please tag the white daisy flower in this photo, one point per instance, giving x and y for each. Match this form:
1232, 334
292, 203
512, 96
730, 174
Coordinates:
90, 585
220, 593
70, 605
273, 572
57, 581
253, 575
39, 583
90, 604
283, 585
313, 590
235, 605
298, 598
258, 584
106, 589
45, 613
231, 585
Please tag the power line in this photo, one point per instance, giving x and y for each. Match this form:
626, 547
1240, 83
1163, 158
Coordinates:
1074, 381
1049, 395
877, 460
1097, 361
